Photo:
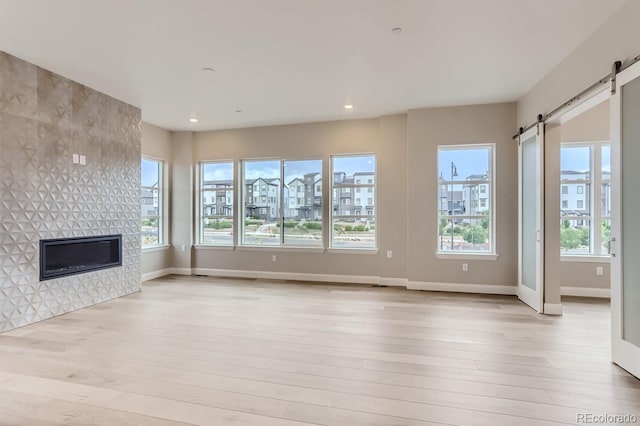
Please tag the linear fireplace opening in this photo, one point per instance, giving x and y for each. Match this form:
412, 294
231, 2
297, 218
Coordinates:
69, 256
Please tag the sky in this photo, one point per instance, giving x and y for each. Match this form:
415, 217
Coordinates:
476, 161
218, 171
149, 172
293, 168
466, 161
578, 158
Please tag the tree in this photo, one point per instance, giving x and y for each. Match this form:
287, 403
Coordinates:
570, 238
475, 234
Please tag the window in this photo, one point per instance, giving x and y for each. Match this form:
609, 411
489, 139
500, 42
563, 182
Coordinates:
586, 229
353, 230
216, 203
465, 221
151, 202
293, 213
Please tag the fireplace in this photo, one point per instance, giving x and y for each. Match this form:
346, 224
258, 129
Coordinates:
69, 256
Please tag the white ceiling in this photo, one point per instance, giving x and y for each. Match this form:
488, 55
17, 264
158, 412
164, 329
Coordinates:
289, 61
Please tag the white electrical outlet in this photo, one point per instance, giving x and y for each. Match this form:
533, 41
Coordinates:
83, 160
599, 270
465, 267
389, 254
274, 258
75, 158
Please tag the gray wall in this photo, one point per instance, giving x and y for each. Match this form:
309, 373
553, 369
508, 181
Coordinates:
428, 128
385, 136
617, 39
156, 144
405, 146
44, 119
182, 206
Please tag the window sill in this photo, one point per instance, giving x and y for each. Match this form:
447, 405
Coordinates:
159, 247
212, 247
353, 250
284, 249
585, 258
467, 256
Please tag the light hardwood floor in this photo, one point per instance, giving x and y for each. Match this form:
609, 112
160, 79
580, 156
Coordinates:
198, 350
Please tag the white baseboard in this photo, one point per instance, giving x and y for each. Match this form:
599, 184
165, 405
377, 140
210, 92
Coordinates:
352, 279
553, 309
603, 293
393, 282
156, 274
463, 288
334, 278
181, 271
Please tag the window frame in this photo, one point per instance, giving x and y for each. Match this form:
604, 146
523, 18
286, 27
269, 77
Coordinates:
281, 217
161, 213
200, 216
492, 253
596, 216
371, 214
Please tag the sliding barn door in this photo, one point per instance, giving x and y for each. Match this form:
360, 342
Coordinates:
531, 217
625, 250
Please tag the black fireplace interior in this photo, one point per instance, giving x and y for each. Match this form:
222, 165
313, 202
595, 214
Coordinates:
70, 256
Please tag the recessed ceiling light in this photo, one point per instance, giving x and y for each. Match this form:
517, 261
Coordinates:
208, 69
348, 106
396, 30
193, 120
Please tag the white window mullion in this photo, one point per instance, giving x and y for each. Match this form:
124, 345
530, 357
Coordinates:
281, 209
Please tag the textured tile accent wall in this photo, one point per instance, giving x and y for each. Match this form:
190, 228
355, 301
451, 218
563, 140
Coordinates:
44, 119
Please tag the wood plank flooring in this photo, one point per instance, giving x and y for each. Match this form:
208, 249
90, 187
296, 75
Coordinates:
213, 351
